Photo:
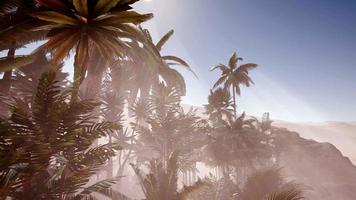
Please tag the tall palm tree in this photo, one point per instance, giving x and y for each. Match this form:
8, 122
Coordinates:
88, 26
233, 76
144, 71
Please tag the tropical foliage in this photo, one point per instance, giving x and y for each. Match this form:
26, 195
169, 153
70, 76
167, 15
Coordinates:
62, 139
46, 146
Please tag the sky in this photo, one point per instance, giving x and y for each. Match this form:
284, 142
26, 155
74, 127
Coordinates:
305, 49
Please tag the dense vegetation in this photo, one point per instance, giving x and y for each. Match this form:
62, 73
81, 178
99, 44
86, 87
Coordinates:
121, 113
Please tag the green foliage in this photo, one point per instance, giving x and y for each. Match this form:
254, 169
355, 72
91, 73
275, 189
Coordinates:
262, 183
289, 192
47, 146
219, 106
46, 150
163, 128
238, 143
161, 182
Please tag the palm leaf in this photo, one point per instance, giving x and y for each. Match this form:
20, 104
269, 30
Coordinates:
289, 192
164, 40
98, 41
55, 17
233, 60
113, 195
100, 186
81, 6
63, 50
221, 67
179, 61
116, 18
7, 64
53, 4
104, 6
220, 81
12, 173
80, 59
247, 67
188, 190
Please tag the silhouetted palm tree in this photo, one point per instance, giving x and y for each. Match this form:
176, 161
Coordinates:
143, 71
219, 106
233, 76
237, 146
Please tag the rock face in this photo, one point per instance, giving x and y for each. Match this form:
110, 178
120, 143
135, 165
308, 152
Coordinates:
322, 169
340, 134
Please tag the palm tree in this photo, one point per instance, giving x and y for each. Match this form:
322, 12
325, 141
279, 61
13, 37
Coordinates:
144, 71
89, 26
14, 26
233, 76
46, 146
219, 106
290, 192
236, 147
162, 182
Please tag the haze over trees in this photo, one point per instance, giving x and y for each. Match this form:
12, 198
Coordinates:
120, 119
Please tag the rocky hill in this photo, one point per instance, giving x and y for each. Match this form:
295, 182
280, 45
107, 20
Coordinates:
322, 169
340, 134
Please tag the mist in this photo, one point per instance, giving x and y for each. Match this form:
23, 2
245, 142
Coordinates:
97, 103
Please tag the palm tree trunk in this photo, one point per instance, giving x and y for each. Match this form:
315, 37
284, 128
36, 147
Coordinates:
109, 172
6, 83
8, 74
234, 96
91, 85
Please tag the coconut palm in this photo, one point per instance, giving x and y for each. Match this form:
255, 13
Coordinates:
233, 76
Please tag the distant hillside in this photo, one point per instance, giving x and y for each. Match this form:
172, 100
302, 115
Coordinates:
322, 169
340, 134
321, 156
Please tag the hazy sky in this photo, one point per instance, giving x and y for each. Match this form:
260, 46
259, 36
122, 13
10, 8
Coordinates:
306, 50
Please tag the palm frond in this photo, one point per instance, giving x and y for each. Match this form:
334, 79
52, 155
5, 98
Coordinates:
7, 64
164, 40
247, 67
179, 61
189, 190
289, 192
100, 186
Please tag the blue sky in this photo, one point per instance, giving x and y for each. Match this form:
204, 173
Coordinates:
306, 50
